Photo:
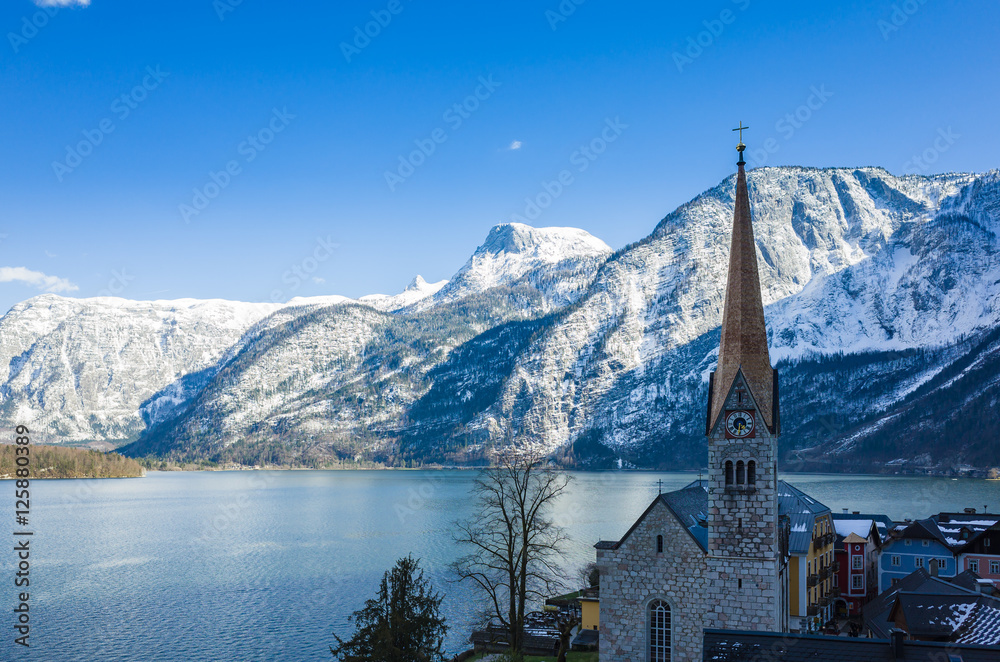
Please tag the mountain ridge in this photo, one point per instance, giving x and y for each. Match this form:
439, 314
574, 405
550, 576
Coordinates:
600, 357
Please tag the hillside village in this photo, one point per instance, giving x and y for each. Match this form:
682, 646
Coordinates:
742, 564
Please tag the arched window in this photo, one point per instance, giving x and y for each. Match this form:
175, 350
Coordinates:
751, 473
659, 544
729, 472
659, 631
741, 478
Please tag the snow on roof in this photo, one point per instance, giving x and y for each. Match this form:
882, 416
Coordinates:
859, 527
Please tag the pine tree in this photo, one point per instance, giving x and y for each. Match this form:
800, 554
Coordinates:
402, 624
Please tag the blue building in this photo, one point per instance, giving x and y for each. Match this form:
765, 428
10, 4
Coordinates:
934, 544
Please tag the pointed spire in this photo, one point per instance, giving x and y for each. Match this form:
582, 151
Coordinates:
744, 334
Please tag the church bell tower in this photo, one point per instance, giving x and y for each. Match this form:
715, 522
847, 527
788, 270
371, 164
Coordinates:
742, 427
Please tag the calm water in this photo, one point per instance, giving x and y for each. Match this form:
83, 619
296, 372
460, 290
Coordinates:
265, 565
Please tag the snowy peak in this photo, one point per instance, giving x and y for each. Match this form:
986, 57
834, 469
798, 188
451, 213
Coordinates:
551, 245
416, 291
557, 262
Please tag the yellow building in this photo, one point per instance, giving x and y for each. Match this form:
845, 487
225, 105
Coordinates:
811, 558
590, 612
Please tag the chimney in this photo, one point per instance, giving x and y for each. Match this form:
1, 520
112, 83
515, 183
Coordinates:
856, 512
845, 511
970, 511
896, 637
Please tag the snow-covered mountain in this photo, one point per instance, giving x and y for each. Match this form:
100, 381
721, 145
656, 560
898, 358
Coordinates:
882, 298
84, 370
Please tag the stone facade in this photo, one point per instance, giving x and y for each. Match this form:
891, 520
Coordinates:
634, 574
723, 567
743, 517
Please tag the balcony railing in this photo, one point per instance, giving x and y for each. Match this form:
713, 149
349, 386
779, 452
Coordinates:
812, 610
826, 572
834, 592
812, 580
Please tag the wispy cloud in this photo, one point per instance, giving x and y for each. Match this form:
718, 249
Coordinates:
62, 3
515, 145
318, 280
36, 279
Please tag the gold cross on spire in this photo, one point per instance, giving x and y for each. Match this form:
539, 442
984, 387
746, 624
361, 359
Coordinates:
741, 128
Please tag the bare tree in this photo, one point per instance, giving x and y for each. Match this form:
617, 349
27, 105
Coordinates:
514, 547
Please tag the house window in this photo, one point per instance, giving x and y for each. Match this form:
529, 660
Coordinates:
925, 543
974, 565
857, 582
895, 560
836, 581
986, 542
907, 542
659, 544
659, 631
919, 561
751, 473
857, 562
995, 567
729, 473
741, 478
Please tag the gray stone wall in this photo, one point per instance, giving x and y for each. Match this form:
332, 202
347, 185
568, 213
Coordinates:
634, 574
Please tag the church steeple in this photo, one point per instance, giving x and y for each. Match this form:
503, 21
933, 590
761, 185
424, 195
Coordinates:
743, 347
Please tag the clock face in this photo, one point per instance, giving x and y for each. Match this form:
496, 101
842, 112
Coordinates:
739, 423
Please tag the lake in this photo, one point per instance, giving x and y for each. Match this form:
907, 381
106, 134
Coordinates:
266, 565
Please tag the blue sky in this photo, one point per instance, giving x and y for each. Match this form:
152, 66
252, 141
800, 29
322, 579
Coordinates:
200, 148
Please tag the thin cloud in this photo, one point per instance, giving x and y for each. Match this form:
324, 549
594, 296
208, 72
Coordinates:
36, 279
62, 3
515, 145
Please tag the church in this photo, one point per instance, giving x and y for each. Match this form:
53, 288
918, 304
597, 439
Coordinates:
710, 555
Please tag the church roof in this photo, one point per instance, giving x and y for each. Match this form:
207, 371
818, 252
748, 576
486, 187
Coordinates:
744, 335
689, 505
747, 646
800, 508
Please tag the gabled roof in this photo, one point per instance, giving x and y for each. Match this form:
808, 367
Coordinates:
847, 522
933, 614
953, 530
854, 538
800, 508
876, 612
937, 607
689, 505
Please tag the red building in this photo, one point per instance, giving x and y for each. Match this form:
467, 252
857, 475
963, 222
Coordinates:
852, 574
